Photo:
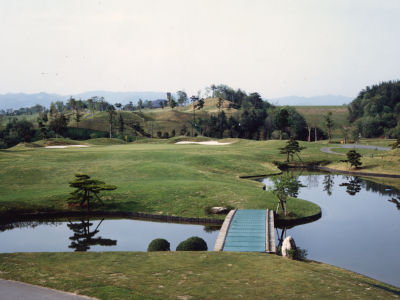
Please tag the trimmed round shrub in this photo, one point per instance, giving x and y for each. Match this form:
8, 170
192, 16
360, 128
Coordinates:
158, 245
166, 135
193, 243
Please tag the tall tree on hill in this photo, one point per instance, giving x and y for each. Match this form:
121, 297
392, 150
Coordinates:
111, 118
77, 117
219, 103
281, 120
140, 104
72, 103
43, 130
329, 123
194, 99
213, 88
121, 125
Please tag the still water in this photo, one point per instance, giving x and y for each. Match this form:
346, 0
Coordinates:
360, 225
94, 234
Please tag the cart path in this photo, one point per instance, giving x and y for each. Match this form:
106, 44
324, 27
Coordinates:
329, 149
13, 290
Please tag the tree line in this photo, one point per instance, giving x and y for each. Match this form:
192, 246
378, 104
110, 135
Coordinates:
376, 110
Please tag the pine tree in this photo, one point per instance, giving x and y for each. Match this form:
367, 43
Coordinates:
292, 147
85, 187
353, 158
121, 125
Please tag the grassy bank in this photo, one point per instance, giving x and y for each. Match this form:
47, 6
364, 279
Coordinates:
189, 275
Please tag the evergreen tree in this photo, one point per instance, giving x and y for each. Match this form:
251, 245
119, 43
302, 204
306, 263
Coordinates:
329, 123
353, 158
121, 125
292, 147
77, 117
85, 187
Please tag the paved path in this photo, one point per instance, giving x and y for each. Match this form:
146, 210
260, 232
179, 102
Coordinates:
352, 146
12, 290
249, 232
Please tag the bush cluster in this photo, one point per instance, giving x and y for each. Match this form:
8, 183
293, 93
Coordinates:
158, 245
193, 243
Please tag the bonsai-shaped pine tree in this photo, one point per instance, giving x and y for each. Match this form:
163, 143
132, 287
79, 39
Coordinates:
292, 147
353, 158
85, 187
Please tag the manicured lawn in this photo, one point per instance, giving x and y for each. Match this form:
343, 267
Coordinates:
190, 275
152, 176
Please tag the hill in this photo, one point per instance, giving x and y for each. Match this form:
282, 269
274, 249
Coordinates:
376, 110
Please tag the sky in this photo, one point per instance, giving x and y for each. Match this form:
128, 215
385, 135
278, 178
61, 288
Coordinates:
276, 48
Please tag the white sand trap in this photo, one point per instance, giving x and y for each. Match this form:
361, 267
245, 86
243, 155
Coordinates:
210, 143
59, 147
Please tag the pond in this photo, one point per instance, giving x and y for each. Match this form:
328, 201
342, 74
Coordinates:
359, 228
94, 234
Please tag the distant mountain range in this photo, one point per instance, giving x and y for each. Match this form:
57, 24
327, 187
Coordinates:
312, 101
17, 101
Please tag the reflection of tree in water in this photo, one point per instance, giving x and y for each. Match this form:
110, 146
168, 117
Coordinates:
211, 228
353, 186
281, 237
311, 181
395, 201
83, 238
27, 224
328, 184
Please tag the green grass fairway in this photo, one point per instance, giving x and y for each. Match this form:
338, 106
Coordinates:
190, 275
156, 176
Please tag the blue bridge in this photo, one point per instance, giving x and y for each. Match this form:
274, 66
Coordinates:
247, 230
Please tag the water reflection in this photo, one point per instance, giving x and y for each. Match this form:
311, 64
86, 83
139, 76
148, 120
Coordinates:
353, 186
397, 202
212, 228
83, 238
357, 213
27, 224
328, 184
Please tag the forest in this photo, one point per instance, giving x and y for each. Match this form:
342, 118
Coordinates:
376, 110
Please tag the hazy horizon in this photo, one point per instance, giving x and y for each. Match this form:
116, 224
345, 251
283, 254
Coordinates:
276, 48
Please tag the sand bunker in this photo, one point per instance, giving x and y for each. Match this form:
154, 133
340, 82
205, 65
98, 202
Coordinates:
211, 143
57, 147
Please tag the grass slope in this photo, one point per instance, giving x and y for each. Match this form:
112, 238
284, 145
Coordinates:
189, 275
